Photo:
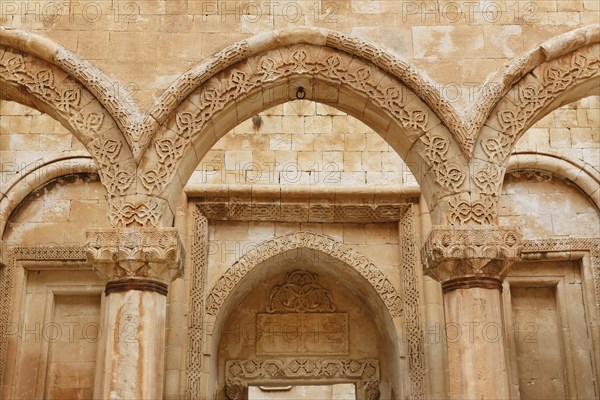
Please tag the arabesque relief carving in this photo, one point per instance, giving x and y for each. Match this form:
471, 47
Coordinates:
300, 292
239, 373
239, 81
147, 148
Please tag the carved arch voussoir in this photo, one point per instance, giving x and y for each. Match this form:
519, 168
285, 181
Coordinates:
548, 86
28, 79
299, 240
200, 117
112, 96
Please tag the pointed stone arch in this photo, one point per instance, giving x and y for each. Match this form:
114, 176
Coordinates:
31, 73
304, 240
559, 71
272, 72
24, 185
583, 176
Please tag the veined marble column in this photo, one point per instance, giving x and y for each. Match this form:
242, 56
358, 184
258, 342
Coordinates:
471, 262
139, 264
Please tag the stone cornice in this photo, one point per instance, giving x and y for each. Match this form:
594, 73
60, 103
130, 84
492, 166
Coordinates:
136, 253
470, 256
302, 204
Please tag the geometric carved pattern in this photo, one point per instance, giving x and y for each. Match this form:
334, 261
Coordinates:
298, 240
533, 95
412, 305
195, 325
69, 101
7, 277
118, 135
240, 373
302, 212
300, 293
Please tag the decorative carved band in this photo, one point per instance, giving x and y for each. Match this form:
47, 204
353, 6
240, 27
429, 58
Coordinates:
471, 282
155, 253
239, 373
144, 285
302, 212
453, 252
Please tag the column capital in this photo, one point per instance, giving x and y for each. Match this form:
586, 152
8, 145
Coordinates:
470, 256
132, 254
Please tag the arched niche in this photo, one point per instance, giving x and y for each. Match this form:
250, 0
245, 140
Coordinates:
372, 359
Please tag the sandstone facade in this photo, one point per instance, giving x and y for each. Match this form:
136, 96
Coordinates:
346, 199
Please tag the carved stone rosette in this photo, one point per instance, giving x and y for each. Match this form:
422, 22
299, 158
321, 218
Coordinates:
470, 256
136, 258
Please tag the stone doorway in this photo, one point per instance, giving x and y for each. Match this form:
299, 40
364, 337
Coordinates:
340, 391
301, 330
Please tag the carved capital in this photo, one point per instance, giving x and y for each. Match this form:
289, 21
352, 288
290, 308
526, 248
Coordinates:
470, 256
125, 254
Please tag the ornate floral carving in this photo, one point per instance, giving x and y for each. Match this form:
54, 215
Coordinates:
302, 212
409, 76
323, 243
114, 98
64, 96
240, 373
489, 178
300, 292
155, 253
452, 252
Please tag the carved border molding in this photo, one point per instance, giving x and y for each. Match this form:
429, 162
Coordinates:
411, 270
534, 249
239, 373
195, 322
336, 68
14, 254
298, 240
302, 212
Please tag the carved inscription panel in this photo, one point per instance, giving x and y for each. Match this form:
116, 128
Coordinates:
300, 319
302, 333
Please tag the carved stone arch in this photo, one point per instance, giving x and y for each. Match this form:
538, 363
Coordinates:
41, 84
583, 176
268, 249
325, 74
112, 97
548, 86
564, 77
22, 186
497, 88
